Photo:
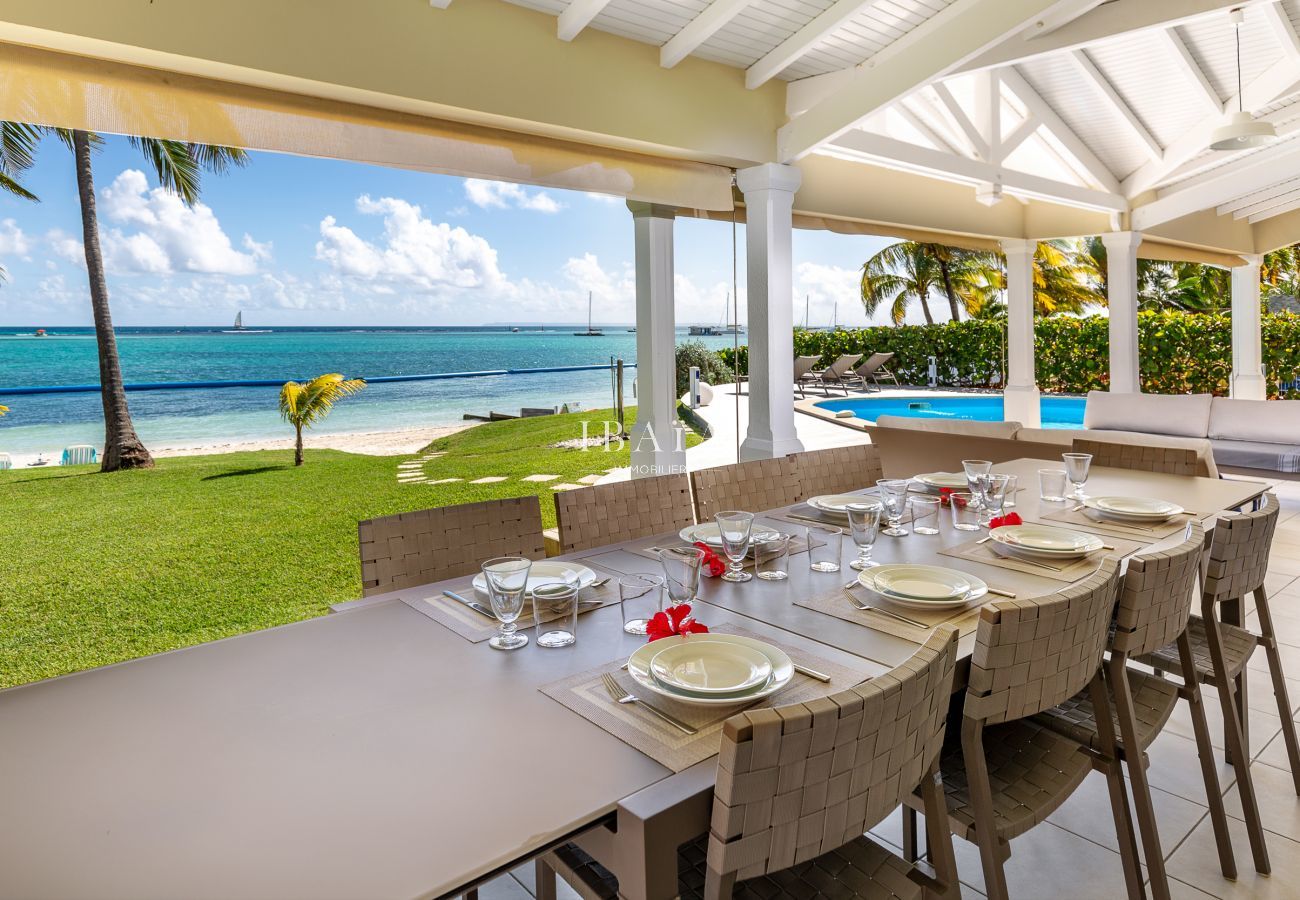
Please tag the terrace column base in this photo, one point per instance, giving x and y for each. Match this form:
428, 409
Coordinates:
1020, 403
769, 199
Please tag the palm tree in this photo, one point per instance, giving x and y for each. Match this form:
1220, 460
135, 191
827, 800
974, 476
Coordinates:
1061, 283
178, 166
897, 275
3, 410
303, 405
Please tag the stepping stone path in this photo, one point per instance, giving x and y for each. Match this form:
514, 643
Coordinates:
591, 479
566, 487
540, 477
490, 479
412, 472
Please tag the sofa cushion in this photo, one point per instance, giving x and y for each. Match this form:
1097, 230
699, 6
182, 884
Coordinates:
1064, 438
1185, 415
1266, 421
952, 426
1264, 455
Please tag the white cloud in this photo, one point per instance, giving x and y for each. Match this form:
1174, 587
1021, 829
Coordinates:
12, 240
65, 246
611, 199
169, 236
504, 195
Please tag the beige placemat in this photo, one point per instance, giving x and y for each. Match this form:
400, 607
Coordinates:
836, 603
476, 627
1068, 572
1087, 520
651, 549
585, 694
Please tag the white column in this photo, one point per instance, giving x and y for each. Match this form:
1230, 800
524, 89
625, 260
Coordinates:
1020, 397
769, 197
1121, 276
1247, 341
654, 437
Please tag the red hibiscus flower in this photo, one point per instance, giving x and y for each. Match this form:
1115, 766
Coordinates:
674, 620
946, 498
712, 565
1008, 519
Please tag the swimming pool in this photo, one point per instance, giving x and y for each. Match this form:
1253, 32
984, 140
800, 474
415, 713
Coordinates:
1057, 412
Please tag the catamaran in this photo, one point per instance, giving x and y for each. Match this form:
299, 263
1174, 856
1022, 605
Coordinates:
240, 329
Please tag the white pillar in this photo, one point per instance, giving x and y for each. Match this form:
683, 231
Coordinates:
1121, 276
1020, 396
654, 437
1247, 341
769, 197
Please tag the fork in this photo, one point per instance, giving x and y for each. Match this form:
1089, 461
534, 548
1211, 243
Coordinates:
618, 695
876, 609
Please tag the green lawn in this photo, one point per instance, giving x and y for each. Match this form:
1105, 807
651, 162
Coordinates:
99, 568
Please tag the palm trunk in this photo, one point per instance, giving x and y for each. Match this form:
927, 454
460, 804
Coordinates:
122, 448
925, 308
297, 448
953, 306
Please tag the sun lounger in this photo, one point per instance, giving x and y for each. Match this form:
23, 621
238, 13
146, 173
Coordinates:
840, 373
874, 368
5, 462
803, 372
78, 455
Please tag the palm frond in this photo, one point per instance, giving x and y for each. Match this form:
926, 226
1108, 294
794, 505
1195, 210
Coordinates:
174, 164
18, 143
10, 185
3, 410
306, 404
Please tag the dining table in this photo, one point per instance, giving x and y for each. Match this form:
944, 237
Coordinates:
377, 752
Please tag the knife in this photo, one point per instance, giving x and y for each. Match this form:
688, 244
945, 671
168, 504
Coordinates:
477, 607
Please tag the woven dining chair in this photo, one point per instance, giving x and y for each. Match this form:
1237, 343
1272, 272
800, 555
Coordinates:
1155, 605
838, 470
1236, 565
757, 485
1005, 773
607, 513
415, 548
799, 785
1170, 460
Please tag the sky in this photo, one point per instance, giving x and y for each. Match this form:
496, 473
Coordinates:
298, 241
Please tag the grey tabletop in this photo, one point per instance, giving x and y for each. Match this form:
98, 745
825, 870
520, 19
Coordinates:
373, 753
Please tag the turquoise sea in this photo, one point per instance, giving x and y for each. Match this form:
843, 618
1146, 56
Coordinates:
46, 423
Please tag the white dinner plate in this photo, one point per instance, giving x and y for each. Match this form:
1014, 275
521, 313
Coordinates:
1046, 542
638, 666
936, 481
709, 533
547, 572
837, 504
923, 587
1133, 509
710, 668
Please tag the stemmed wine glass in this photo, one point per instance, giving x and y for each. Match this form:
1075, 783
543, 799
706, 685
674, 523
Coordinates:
681, 572
893, 494
977, 472
864, 524
735, 527
507, 585
1076, 469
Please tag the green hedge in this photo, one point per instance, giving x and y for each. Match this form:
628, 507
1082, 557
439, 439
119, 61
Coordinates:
1179, 352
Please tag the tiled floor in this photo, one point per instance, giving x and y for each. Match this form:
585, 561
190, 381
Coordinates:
1072, 856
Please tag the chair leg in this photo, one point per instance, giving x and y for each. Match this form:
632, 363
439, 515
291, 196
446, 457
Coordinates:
1269, 643
1146, 814
1205, 753
986, 831
938, 836
1110, 767
911, 849
470, 895
716, 885
545, 881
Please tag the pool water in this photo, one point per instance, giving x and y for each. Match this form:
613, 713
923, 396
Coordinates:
1057, 412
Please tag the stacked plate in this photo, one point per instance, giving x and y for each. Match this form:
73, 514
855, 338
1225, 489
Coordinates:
934, 482
1138, 510
711, 669
922, 587
835, 506
709, 533
1044, 542
547, 572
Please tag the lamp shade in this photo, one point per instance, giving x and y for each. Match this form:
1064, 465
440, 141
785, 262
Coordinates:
1242, 132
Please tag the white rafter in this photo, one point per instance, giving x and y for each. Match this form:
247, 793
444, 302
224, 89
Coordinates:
988, 113
1192, 70
1281, 198
929, 132
577, 16
1101, 84
925, 105
1023, 132
1276, 211
1043, 112
698, 30
803, 40
963, 121
1255, 196
1283, 29
1259, 170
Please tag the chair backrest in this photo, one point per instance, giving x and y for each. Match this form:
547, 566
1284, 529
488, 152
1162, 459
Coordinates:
1239, 550
415, 548
838, 470
843, 365
1170, 460
904, 451
804, 364
874, 362
5, 462
1031, 655
606, 513
1155, 595
753, 486
800, 780
77, 455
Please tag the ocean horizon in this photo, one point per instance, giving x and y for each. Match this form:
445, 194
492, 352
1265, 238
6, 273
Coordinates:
45, 423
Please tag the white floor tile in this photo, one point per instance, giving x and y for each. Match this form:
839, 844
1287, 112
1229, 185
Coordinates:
1176, 768
1279, 807
1088, 814
1196, 862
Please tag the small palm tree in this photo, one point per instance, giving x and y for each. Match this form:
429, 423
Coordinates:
3, 410
304, 405
899, 274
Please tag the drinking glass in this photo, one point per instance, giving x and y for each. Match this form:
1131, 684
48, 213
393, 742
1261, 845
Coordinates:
772, 559
965, 514
824, 548
976, 471
864, 525
681, 572
507, 584
893, 494
925, 514
1013, 485
736, 527
995, 494
1051, 485
1076, 469
640, 597
555, 613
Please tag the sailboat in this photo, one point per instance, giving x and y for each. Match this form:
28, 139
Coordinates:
240, 329
718, 330
590, 332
